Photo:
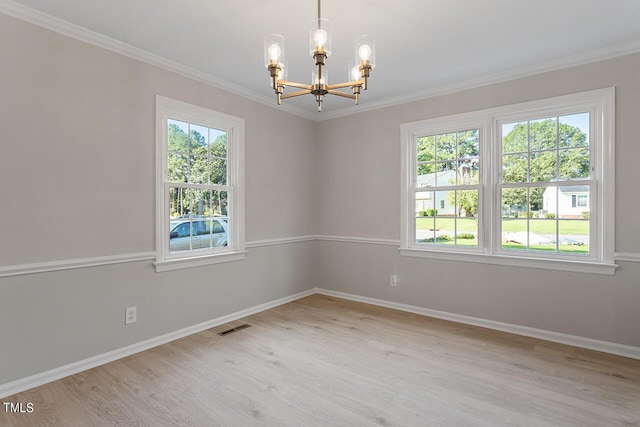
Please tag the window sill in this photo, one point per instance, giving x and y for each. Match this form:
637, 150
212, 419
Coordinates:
545, 264
198, 261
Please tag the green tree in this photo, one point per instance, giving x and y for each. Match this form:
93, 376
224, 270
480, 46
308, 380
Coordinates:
467, 201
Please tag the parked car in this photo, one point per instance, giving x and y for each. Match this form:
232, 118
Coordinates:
198, 233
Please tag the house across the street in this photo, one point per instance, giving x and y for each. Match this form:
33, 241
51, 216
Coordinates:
566, 201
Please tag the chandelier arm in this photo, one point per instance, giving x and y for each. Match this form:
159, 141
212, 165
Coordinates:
338, 93
294, 84
346, 84
294, 94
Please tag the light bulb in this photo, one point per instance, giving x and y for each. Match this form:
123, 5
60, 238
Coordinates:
274, 52
355, 73
320, 37
365, 52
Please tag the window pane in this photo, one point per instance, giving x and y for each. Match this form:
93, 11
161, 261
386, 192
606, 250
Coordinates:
469, 171
178, 151
574, 235
425, 216
198, 168
543, 166
574, 130
216, 235
574, 219
198, 159
218, 157
446, 174
468, 144
221, 204
467, 232
468, 160
453, 222
445, 231
542, 134
514, 233
425, 203
575, 163
542, 234
178, 203
514, 214
466, 202
218, 171
426, 147
514, 202
445, 203
569, 199
177, 132
549, 203
426, 176
199, 202
446, 146
199, 219
514, 168
466, 217
514, 137
177, 167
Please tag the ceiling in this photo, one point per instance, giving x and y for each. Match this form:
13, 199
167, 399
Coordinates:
423, 47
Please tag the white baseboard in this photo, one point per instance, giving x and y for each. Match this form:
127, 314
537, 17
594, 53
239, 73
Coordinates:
36, 380
573, 340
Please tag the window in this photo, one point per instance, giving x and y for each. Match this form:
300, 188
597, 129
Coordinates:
200, 198
446, 188
579, 200
528, 184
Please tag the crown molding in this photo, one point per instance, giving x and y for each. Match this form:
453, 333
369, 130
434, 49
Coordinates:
32, 16
543, 67
24, 13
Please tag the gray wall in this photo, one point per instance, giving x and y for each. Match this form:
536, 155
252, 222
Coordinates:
358, 194
77, 169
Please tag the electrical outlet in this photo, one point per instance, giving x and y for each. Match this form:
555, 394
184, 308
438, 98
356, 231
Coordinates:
393, 281
130, 315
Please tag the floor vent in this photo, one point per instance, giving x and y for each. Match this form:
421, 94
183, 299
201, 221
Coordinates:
236, 329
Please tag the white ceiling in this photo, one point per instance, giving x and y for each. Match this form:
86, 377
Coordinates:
423, 47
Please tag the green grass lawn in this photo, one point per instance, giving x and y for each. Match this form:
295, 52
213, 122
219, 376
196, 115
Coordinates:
465, 225
568, 249
509, 225
547, 226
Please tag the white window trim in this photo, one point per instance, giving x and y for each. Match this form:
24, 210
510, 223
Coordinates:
600, 103
167, 108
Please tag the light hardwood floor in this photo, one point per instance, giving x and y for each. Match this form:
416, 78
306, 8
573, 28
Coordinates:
323, 361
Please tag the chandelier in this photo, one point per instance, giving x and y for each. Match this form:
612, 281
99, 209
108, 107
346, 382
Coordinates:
320, 49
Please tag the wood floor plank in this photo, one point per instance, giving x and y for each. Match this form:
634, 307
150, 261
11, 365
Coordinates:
323, 361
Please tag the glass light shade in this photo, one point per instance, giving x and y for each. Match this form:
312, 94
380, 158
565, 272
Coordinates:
353, 71
273, 49
366, 50
320, 36
324, 80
